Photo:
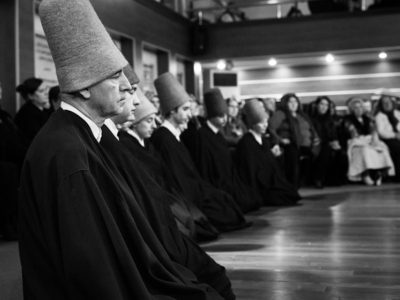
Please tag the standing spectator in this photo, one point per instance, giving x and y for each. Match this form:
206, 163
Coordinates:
387, 120
330, 158
35, 111
369, 158
295, 132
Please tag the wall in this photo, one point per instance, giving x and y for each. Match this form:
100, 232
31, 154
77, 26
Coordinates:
337, 81
303, 35
7, 55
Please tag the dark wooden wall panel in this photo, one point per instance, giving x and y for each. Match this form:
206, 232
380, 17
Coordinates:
7, 55
340, 82
303, 35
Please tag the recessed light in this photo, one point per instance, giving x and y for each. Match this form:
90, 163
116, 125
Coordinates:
383, 55
329, 58
272, 62
221, 64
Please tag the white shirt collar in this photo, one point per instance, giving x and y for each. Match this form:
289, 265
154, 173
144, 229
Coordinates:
212, 127
113, 128
257, 136
136, 136
175, 131
96, 130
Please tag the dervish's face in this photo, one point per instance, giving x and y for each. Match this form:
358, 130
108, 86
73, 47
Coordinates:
219, 121
261, 127
146, 127
233, 108
182, 114
109, 96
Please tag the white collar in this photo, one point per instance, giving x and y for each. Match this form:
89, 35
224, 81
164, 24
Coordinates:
175, 131
96, 130
136, 136
113, 128
212, 127
257, 136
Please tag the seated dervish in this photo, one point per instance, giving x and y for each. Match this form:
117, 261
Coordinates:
217, 205
257, 165
213, 157
135, 138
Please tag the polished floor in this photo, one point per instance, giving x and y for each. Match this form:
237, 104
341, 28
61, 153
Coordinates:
341, 243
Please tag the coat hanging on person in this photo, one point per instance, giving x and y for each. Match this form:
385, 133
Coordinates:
153, 201
260, 170
182, 208
217, 205
213, 159
83, 236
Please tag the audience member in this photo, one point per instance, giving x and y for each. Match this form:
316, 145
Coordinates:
369, 158
35, 112
295, 132
234, 128
387, 120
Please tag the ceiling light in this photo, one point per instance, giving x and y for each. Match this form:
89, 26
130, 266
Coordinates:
383, 55
329, 58
272, 62
221, 65
197, 68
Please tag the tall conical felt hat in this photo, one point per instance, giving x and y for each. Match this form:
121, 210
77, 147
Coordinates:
254, 112
145, 108
170, 92
215, 103
83, 51
131, 75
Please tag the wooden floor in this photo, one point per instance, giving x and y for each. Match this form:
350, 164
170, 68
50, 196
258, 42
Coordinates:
339, 244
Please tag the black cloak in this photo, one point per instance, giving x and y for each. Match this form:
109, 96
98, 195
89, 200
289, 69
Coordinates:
183, 210
260, 170
217, 205
153, 201
83, 235
214, 161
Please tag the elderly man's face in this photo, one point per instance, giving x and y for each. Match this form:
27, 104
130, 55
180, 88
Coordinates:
109, 96
128, 110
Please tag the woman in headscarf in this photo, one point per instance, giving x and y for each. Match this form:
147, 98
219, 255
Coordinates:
369, 158
295, 132
387, 119
35, 111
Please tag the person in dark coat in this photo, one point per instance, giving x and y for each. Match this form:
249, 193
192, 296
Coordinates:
255, 162
154, 202
213, 157
387, 120
331, 162
218, 206
36, 110
11, 157
83, 234
189, 217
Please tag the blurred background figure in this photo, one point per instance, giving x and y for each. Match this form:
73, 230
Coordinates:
36, 110
234, 127
331, 162
387, 119
296, 134
369, 158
